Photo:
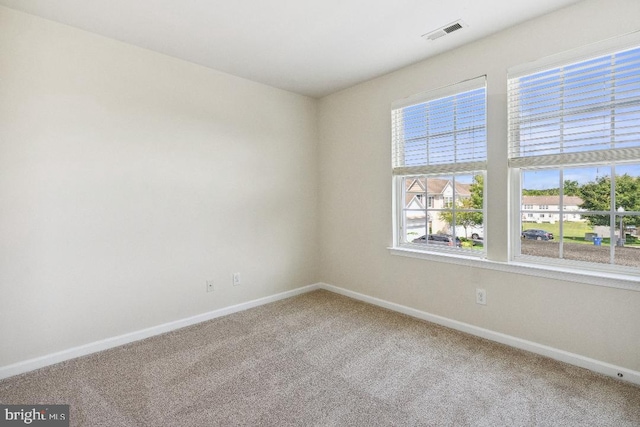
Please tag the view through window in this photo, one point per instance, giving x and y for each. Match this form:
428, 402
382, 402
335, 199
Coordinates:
595, 220
575, 138
439, 152
453, 217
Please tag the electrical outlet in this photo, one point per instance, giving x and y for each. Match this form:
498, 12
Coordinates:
481, 296
209, 285
236, 279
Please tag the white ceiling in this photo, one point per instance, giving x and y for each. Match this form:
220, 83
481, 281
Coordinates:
311, 47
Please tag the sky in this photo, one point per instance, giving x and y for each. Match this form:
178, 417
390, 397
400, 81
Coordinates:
547, 179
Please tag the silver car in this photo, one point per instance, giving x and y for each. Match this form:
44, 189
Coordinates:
438, 239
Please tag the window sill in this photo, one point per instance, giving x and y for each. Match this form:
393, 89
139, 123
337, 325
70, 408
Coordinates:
596, 278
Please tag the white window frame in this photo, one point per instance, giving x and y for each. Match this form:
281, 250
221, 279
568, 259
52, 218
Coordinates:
593, 158
433, 171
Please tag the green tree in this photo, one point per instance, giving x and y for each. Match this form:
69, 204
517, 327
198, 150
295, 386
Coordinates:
477, 193
596, 196
545, 192
571, 188
465, 218
628, 196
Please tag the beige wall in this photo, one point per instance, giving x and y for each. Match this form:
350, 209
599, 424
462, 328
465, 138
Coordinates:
129, 178
355, 164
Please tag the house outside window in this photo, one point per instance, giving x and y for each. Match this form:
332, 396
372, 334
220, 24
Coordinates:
439, 154
574, 143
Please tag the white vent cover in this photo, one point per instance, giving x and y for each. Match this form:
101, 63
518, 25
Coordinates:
443, 31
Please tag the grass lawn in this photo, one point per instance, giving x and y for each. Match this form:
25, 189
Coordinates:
571, 229
574, 232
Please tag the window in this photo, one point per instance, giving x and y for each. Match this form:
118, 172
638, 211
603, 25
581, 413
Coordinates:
439, 153
574, 147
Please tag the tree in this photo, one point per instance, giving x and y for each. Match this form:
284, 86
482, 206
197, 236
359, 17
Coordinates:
628, 196
477, 193
465, 218
571, 188
545, 192
596, 196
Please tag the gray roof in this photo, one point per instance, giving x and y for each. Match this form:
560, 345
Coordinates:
551, 200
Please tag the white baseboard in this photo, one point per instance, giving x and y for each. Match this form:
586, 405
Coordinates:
554, 353
608, 369
83, 350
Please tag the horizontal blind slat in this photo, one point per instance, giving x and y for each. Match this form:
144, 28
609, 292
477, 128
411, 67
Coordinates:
442, 132
576, 112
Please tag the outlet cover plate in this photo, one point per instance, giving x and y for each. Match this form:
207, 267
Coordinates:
481, 296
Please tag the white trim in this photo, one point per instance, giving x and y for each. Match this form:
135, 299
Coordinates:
83, 350
583, 158
440, 169
553, 353
599, 278
442, 92
561, 355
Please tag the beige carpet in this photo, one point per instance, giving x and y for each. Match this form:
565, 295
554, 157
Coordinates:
322, 359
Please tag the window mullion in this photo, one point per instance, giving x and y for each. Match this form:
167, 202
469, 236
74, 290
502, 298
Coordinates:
561, 213
612, 217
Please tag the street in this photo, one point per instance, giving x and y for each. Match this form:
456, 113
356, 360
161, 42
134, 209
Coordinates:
625, 255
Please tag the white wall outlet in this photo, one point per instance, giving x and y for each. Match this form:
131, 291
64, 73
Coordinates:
481, 296
236, 279
209, 285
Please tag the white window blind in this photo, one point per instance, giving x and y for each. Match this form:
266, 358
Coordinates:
441, 131
584, 112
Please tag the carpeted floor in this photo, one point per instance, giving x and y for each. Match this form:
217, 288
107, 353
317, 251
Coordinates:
322, 359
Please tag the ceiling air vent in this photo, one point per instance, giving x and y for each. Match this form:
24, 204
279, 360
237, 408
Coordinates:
443, 31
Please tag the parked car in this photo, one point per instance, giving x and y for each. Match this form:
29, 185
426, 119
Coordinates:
535, 234
438, 239
475, 232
